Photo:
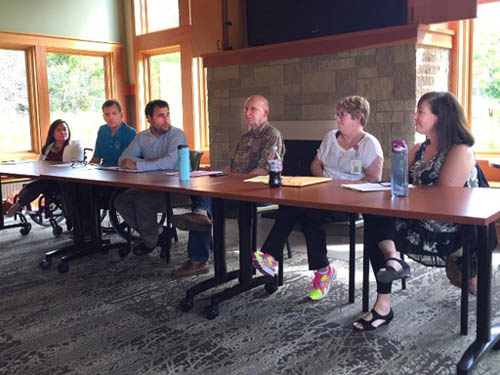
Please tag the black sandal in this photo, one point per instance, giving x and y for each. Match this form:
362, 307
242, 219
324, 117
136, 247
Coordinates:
390, 274
368, 324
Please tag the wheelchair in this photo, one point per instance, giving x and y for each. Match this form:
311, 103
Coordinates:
172, 201
50, 209
48, 213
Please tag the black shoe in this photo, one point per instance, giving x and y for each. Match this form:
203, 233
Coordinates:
141, 249
390, 274
368, 324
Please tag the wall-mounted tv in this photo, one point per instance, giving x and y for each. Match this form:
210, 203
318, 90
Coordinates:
275, 21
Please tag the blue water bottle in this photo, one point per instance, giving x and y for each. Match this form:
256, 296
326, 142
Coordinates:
184, 162
399, 169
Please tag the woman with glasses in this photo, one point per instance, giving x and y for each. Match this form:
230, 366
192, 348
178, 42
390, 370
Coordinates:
58, 147
444, 159
348, 153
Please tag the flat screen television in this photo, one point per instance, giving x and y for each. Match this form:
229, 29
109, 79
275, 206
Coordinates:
276, 21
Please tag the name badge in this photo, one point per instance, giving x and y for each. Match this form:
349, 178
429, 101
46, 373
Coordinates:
356, 166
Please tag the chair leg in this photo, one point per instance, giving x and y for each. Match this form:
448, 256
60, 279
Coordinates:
288, 248
366, 277
464, 303
280, 270
253, 239
352, 256
403, 281
253, 246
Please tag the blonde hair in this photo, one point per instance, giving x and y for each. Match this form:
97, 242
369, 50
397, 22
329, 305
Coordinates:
356, 106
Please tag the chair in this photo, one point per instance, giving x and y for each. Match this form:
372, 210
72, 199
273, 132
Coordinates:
48, 212
469, 233
172, 200
296, 162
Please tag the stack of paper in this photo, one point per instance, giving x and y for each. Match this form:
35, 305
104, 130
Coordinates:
296, 181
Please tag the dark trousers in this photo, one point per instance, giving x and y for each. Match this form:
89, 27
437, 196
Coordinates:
33, 189
312, 221
377, 229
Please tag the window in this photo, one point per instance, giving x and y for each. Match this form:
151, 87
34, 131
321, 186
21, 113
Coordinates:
166, 83
76, 93
155, 15
14, 104
45, 78
167, 70
485, 122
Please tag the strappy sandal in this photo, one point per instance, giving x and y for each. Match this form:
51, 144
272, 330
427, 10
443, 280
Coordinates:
390, 274
368, 324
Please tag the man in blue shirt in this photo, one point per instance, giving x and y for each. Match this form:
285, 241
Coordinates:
152, 149
112, 137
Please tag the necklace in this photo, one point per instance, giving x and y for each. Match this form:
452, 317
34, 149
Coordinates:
57, 148
353, 143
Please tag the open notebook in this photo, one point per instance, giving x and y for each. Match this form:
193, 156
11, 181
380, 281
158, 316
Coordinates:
296, 181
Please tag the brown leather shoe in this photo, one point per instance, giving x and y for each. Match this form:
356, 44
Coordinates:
192, 221
190, 268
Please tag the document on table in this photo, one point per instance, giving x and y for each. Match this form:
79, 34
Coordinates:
370, 186
196, 173
14, 162
296, 181
114, 168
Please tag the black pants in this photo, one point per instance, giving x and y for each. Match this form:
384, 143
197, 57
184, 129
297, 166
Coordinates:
33, 189
377, 229
312, 221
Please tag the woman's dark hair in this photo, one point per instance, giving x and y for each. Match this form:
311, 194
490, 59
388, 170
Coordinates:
50, 135
451, 126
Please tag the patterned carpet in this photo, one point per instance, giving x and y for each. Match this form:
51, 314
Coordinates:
113, 316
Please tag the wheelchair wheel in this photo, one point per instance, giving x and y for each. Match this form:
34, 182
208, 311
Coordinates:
120, 226
25, 229
49, 208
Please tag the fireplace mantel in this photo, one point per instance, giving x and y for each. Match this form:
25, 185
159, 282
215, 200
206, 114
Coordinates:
413, 33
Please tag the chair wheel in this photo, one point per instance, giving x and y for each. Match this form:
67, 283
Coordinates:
211, 312
186, 305
45, 264
25, 229
57, 231
63, 267
124, 251
496, 346
270, 287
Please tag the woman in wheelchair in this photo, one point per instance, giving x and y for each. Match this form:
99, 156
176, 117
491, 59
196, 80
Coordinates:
58, 147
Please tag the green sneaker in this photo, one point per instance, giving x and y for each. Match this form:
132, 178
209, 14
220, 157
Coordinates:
321, 283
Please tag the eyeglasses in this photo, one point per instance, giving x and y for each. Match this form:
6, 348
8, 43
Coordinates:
79, 164
341, 114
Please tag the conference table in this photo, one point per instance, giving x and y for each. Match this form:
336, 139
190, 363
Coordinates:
472, 206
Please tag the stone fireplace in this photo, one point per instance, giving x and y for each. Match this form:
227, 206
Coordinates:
306, 88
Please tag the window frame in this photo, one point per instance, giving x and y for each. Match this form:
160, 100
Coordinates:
462, 70
36, 48
192, 74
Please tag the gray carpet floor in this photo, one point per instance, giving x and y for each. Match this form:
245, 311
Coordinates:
121, 316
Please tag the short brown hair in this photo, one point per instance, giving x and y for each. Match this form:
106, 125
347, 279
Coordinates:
356, 106
111, 102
